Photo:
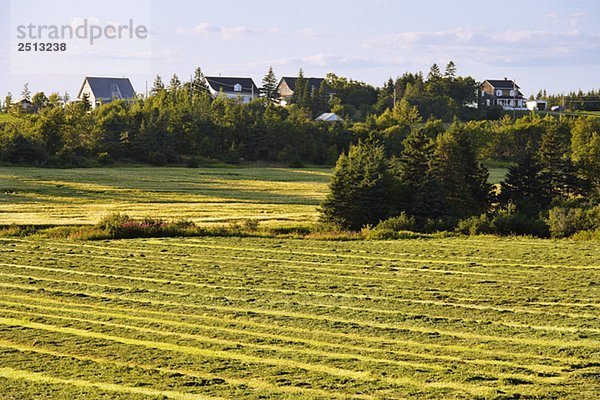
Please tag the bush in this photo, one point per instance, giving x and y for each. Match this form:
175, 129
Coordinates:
402, 222
565, 221
588, 235
120, 226
474, 225
508, 222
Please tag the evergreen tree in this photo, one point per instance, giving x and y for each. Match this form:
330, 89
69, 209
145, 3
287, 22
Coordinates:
434, 72
26, 93
8, 102
157, 86
414, 159
199, 83
556, 162
269, 87
174, 84
463, 180
360, 188
85, 102
450, 72
526, 186
300, 88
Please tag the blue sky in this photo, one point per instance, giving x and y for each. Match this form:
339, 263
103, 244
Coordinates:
551, 44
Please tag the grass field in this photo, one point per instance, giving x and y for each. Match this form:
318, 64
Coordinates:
205, 318
206, 196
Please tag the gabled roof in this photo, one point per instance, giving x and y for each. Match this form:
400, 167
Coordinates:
502, 83
104, 88
227, 84
329, 117
314, 83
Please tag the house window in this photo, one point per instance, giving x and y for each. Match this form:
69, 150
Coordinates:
237, 87
512, 93
498, 92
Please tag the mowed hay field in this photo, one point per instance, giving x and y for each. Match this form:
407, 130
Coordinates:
257, 318
204, 195
272, 196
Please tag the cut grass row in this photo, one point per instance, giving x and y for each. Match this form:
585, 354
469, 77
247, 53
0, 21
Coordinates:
301, 318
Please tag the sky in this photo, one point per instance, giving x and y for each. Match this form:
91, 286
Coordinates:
552, 45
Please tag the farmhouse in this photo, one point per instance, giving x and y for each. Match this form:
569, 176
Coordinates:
504, 93
24, 104
105, 90
243, 89
287, 86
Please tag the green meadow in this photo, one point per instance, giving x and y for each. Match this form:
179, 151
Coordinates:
278, 318
273, 196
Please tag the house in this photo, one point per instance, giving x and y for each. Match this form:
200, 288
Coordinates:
243, 89
504, 93
287, 86
105, 90
537, 105
329, 117
24, 105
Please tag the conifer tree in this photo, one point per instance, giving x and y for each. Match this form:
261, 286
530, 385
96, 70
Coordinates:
414, 159
157, 86
526, 186
450, 72
269, 87
299, 88
360, 188
175, 83
199, 83
26, 93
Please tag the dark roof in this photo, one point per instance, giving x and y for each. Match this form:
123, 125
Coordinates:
502, 83
314, 83
226, 84
103, 88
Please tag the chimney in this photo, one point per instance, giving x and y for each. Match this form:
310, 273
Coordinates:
505, 78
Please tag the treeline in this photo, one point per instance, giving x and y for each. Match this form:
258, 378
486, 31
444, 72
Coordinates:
180, 122
437, 182
573, 101
171, 126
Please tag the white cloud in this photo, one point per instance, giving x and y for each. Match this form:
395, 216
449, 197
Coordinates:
478, 46
228, 32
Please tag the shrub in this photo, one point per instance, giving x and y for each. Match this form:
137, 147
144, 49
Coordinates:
120, 226
587, 235
508, 222
474, 225
402, 222
565, 221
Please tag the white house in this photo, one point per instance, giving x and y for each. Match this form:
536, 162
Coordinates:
502, 92
104, 90
243, 89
